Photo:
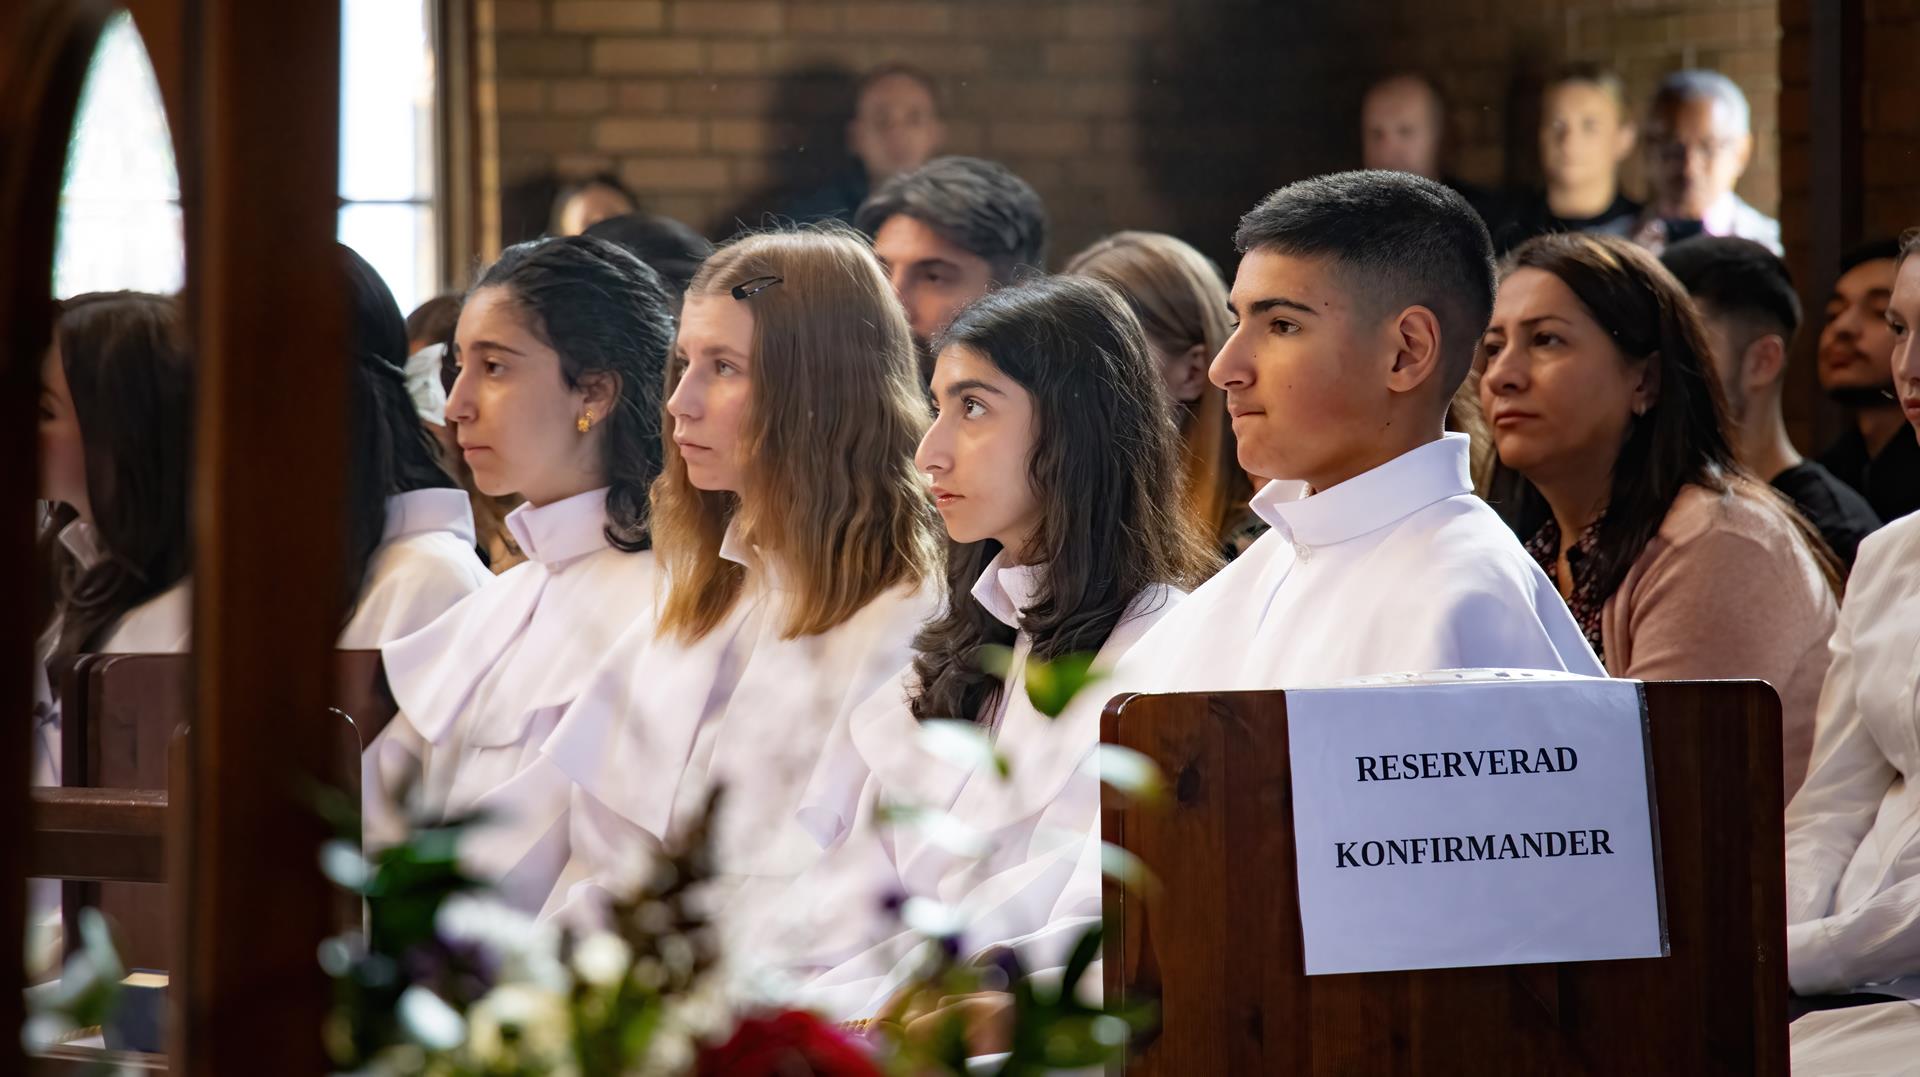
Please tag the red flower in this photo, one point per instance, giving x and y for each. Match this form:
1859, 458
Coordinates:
791, 1044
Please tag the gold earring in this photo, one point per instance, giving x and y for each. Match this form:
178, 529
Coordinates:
586, 422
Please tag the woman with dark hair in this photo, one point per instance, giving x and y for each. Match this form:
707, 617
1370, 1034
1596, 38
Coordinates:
116, 434
410, 540
562, 346
1050, 456
1677, 563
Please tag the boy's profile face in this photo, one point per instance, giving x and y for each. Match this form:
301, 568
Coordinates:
1301, 370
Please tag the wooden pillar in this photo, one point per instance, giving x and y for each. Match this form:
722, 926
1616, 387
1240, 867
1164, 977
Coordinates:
265, 303
1823, 169
44, 49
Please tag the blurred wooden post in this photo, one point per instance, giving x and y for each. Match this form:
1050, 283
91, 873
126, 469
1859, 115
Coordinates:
265, 304
44, 50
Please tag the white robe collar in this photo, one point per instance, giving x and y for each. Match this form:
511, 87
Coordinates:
1369, 501
561, 531
82, 540
1007, 590
420, 512
434, 671
763, 573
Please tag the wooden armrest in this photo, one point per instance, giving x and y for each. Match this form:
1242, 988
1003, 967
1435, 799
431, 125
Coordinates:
98, 835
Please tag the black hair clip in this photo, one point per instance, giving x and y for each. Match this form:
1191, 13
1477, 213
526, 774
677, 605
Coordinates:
747, 289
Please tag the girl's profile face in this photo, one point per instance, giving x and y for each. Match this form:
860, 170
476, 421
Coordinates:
979, 450
713, 358
518, 421
63, 456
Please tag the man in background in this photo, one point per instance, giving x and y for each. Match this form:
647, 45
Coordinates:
1403, 128
1751, 313
1699, 140
950, 231
895, 129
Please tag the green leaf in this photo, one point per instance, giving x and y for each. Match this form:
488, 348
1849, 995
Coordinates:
996, 659
1085, 951
1051, 685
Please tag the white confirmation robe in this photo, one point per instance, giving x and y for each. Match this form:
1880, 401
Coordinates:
665, 722
1398, 570
481, 688
1853, 829
424, 564
1022, 886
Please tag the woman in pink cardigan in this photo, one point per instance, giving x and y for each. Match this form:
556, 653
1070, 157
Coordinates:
1610, 427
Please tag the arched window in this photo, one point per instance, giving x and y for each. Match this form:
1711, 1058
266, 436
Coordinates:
120, 223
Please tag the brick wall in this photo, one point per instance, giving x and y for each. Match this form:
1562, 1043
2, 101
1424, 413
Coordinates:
1123, 113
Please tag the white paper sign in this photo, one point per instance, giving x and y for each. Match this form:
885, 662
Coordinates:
1476, 823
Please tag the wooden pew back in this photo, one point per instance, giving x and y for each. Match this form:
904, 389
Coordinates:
1219, 944
121, 715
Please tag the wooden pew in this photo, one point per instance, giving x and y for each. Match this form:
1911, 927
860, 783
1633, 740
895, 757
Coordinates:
121, 717
1219, 945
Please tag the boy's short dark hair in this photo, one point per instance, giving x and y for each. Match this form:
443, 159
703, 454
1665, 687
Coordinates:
975, 205
1737, 278
1878, 249
1399, 240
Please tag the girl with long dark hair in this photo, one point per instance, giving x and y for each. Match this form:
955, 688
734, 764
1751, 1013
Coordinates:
116, 429
562, 345
1051, 459
1677, 563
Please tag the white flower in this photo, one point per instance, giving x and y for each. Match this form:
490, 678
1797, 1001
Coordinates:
602, 959
518, 1024
431, 1021
528, 951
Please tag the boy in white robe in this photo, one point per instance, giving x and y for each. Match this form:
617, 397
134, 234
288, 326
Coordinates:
1359, 303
